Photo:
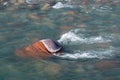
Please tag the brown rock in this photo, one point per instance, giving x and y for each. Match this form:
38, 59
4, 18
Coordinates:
36, 50
40, 49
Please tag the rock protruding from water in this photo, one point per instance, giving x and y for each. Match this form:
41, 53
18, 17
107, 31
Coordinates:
40, 49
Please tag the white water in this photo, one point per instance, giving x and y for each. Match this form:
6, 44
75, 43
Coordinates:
73, 37
89, 54
103, 8
60, 5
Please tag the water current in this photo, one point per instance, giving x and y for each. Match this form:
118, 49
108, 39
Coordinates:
89, 34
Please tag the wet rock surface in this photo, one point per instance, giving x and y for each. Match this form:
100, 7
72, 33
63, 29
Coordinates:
44, 48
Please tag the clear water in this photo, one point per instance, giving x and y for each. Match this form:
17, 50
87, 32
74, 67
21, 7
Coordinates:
90, 37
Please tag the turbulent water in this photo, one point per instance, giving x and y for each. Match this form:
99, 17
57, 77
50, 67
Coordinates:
78, 39
96, 46
89, 34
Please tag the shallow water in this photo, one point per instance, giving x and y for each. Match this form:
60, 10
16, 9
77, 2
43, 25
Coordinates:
89, 34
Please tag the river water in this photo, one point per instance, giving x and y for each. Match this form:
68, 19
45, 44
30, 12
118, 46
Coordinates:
90, 35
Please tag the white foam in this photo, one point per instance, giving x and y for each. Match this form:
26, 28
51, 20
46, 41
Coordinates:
76, 56
88, 54
74, 37
59, 5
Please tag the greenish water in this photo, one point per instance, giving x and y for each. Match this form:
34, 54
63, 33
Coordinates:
90, 37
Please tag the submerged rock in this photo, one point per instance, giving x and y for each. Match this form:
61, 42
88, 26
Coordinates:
41, 49
34, 16
53, 69
73, 13
106, 64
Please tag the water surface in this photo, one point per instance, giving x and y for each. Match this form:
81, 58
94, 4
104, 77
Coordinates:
89, 34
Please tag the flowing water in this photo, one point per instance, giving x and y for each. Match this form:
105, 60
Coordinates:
90, 35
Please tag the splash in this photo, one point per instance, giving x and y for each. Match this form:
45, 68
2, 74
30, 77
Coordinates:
101, 54
60, 5
73, 37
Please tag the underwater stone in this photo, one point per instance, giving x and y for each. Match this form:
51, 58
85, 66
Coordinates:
34, 16
74, 13
106, 64
53, 69
40, 49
